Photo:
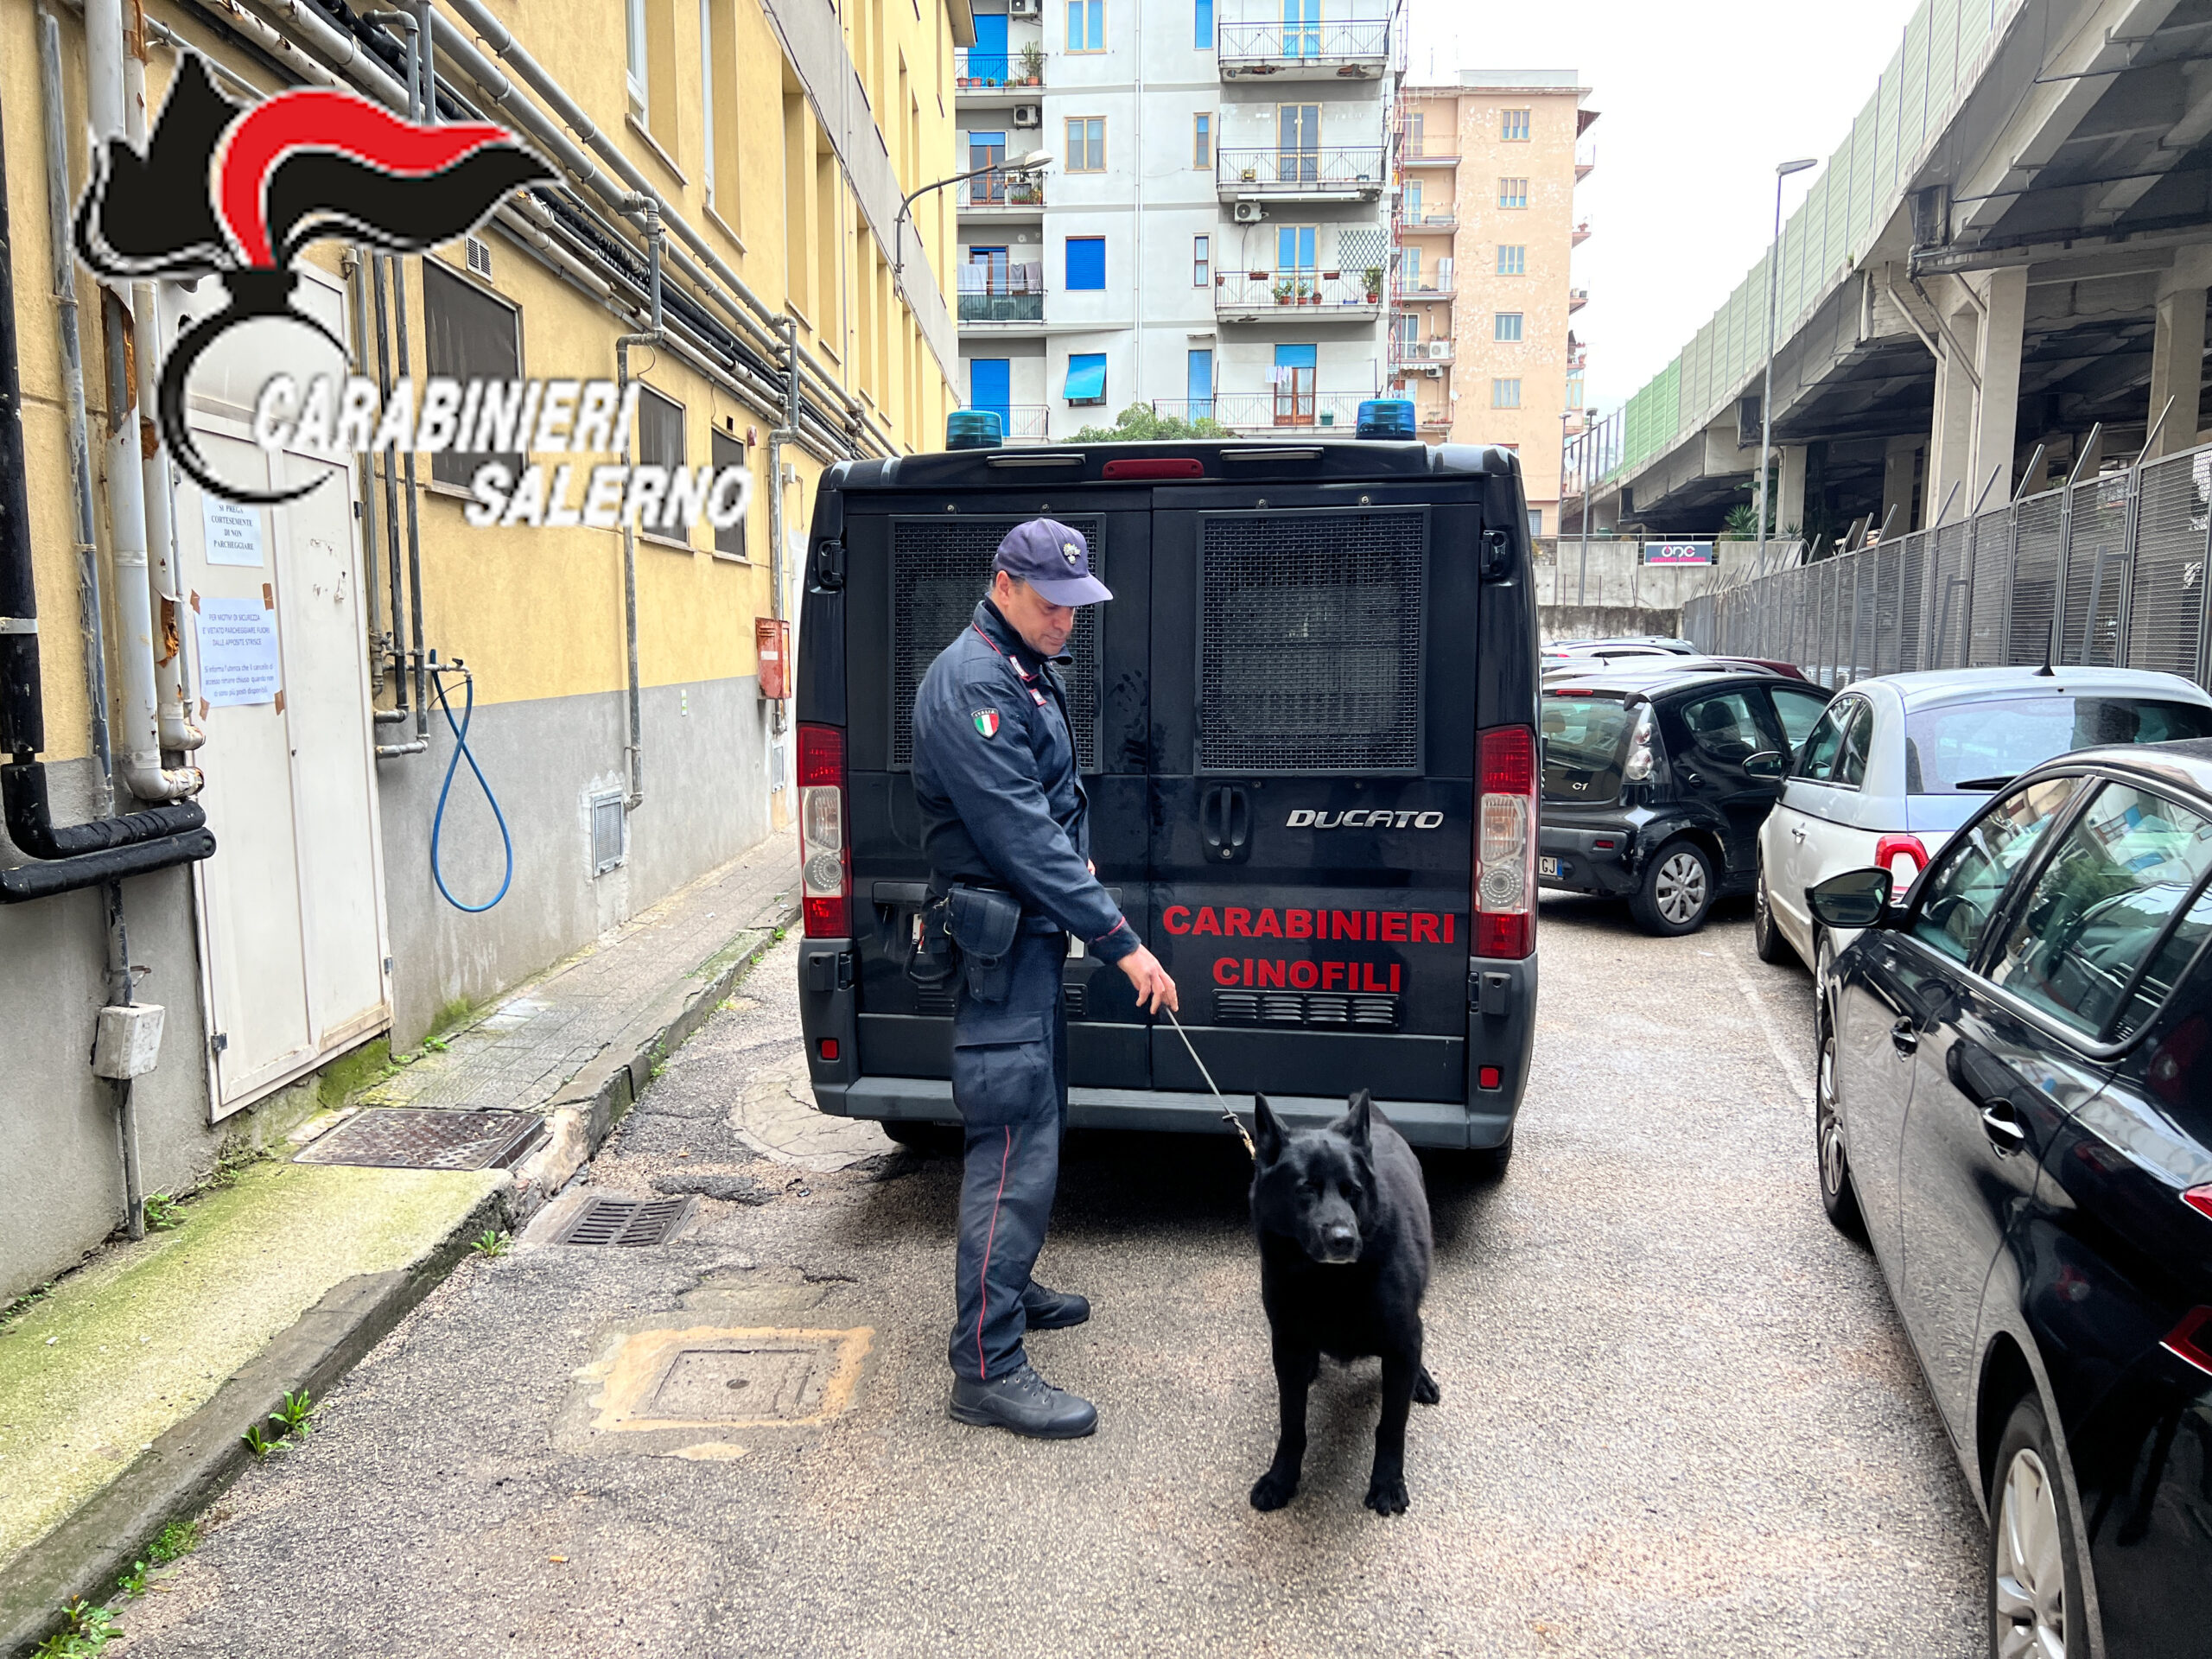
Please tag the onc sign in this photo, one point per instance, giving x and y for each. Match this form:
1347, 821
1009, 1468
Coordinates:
1678, 552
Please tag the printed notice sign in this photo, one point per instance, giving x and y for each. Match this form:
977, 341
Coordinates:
237, 652
232, 532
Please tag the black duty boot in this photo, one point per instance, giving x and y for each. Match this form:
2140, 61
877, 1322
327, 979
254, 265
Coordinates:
1025, 1403
1052, 1310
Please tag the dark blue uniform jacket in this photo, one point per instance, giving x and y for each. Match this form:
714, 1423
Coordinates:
995, 775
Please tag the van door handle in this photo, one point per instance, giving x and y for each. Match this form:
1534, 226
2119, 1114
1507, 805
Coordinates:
1797, 832
1225, 821
1904, 1038
2002, 1128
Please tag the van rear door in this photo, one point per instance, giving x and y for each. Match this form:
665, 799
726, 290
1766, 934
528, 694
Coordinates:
915, 572
1311, 756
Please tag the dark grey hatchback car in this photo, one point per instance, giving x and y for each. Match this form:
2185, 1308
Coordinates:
2015, 1110
1657, 779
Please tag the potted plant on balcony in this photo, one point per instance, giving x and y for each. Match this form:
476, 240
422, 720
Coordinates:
1307, 293
1033, 63
1373, 276
1285, 291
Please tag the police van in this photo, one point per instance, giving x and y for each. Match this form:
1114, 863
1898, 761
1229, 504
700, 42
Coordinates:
1305, 724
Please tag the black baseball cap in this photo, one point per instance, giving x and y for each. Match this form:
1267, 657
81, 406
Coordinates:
1054, 559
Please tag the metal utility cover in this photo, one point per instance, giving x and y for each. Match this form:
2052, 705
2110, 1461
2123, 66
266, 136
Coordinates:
628, 1221
705, 1378
403, 1137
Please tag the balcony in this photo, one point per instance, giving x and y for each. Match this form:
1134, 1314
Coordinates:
997, 195
1009, 299
1024, 423
1426, 154
1279, 296
1437, 224
1435, 418
983, 79
1580, 234
1586, 162
1352, 48
1576, 299
1337, 175
1286, 411
1429, 292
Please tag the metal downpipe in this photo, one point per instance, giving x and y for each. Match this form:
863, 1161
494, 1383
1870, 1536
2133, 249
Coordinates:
651, 336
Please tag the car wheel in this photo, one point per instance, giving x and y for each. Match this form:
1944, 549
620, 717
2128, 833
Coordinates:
1823, 962
2034, 1577
1677, 891
1838, 1196
918, 1134
1766, 937
1489, 1162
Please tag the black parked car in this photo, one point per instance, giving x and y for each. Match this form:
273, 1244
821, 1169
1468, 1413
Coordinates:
2015, 1110
1657, 778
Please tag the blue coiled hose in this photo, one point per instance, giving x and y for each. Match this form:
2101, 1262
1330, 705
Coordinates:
461, 752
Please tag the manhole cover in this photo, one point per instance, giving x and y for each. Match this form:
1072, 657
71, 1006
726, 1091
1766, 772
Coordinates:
627, 1221
781, 1382
710, 1377
404, 1137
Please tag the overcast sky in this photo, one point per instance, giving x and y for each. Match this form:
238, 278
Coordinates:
1698, 103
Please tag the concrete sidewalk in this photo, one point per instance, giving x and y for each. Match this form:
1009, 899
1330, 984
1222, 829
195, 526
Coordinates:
126, 1388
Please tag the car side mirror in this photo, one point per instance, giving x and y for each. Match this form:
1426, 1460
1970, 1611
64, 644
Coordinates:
1856, 898
1767, 763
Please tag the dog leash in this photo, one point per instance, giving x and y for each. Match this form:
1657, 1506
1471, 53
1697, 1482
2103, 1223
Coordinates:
1235, 1122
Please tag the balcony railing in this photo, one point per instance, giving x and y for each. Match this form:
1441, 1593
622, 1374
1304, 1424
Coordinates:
1434, 419
1352, 46
1423, 293
1002, 302
1580, 234
977, 71
1283, 295
1426, 224
997, 191
1356, 169
1023, 423
1576, 299
1420, 354
1427, 154
1269, 411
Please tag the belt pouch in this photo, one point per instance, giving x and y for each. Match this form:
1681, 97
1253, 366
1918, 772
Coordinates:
983, 923
931, 956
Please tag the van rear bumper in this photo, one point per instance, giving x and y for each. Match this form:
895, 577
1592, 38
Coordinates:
1424, 1122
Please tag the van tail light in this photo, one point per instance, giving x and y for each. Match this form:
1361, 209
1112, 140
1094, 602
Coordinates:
1505, 843
2199, 1198
2192, 1338
1903, 857
825, 866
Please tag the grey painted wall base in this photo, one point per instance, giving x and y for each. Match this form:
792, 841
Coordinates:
706, 800
1555, 623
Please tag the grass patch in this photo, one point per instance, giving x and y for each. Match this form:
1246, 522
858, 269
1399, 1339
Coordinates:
85, 1628
174, 1542
24, 1303
492, 1242
163, 1211
351, 1072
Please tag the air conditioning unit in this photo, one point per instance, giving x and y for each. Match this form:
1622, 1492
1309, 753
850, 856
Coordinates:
1441, 348
1429, 370
1249, 213
1025, 8
1029, 115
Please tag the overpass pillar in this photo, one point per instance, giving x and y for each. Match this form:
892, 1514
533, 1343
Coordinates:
2177, 349
1977, 390
1996, 407
1789, 491
1950, 440
1901, 484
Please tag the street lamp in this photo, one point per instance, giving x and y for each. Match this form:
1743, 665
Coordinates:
1782, 171
1035, 161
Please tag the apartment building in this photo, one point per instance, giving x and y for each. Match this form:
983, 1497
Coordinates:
724, 226
1211, 236
1484, 295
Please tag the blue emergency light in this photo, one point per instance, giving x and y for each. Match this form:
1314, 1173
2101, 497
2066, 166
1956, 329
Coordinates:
1386, 417
979, 429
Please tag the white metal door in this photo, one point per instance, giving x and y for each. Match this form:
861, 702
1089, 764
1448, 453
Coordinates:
291, 907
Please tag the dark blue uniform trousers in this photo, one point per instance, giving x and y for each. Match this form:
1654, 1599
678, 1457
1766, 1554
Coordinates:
1010, 1081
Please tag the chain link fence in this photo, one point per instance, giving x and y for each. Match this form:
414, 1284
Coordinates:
2110, 572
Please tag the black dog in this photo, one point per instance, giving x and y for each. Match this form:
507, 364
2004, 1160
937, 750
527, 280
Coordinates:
1343, 1220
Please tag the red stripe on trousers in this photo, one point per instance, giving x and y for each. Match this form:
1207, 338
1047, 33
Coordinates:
983, 1278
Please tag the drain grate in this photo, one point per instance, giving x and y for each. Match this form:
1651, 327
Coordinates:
406, 1137
628, 1221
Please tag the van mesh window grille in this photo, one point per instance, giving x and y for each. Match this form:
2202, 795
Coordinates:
939, 569
1328, 1011
1310, 640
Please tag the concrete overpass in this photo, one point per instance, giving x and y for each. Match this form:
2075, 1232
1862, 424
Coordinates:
2009, 252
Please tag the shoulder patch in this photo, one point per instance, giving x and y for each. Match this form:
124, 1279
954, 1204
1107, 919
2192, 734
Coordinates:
987, 722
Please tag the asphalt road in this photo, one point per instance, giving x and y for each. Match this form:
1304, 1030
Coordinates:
1679, 1415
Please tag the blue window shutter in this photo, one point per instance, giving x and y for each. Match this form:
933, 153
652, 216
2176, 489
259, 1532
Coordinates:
1086, 261
1197, 384
1295, 357
990, 385
1086, 376
1203, 24
987, 58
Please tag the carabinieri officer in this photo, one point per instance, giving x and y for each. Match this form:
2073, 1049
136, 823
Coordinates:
1007, 829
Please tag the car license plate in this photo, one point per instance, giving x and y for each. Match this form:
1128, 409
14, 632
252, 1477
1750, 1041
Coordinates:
1547, 867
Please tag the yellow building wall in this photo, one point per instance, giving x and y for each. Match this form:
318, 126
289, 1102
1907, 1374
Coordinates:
539, 612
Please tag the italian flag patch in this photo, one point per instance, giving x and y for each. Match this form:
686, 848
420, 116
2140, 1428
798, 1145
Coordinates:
987, 722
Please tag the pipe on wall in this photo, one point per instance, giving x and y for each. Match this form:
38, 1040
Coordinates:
650, 336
